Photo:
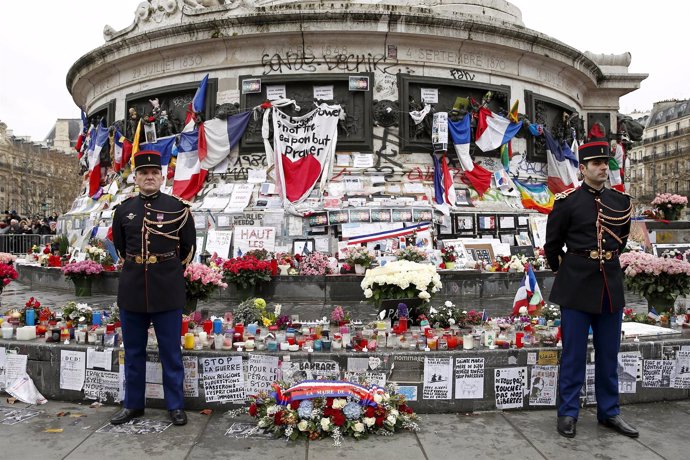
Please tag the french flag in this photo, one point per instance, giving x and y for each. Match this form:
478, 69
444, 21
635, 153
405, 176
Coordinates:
218, 137
189, 177
478, 177
198, 103
528, 294
99, 139
118, 149
493, 130
562, 165
443, 182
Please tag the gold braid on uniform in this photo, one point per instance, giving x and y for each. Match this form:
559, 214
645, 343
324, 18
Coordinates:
610, 221
147, 227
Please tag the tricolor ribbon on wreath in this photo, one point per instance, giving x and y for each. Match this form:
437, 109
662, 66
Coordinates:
310, 389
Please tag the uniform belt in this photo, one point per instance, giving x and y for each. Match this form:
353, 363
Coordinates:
594, 254
151, 258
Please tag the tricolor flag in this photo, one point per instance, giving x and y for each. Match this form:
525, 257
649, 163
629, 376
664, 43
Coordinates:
218, 137
116, 149
386, 234
443, 182
82, 135
506, 155
198, 103
99, 139
189, 177
513, 114
135, 142
493, 130
477, 176
529, 294
164, 146
616, 168
562, 165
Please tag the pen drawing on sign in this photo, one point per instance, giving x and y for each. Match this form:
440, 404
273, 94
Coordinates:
136, 426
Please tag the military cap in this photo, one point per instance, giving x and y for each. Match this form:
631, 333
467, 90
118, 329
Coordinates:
597, 147
147, 159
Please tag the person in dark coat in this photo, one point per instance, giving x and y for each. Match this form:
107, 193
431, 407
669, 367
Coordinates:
154, 233
593, 223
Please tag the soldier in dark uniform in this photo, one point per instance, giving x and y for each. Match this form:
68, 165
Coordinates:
593, 222
154, 233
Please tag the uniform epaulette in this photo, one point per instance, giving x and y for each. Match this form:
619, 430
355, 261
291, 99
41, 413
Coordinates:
184, 202
564, 193
622, 193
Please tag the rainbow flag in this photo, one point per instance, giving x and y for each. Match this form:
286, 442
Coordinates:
535, 196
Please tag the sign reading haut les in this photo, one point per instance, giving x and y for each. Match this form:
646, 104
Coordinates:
304, 147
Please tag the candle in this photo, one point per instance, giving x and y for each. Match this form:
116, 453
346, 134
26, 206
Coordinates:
7, 331
80, 336
292, 347
467, 342
284, 346
431, 342
489, 338
249, 344
217, 326
239, 329
272, 345
208, 326
318, 345
30, 316
218, 341
189, 341
96, 318
203, 338
185, 326
26, 333
251, 329
452, 341
518, 339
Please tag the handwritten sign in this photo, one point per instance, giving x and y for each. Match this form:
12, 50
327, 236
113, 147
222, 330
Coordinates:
627, 374
262, 371
681, 375
469, 378
509, 387
223, 379
218, 242
543, 386
72, 369
99, 359
429, 95
656, 373
191, 376
323, 93
437, 378
101, 385
252, 238
274, 92
547, 358
3, 364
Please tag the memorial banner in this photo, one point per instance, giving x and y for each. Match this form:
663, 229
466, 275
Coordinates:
304, 147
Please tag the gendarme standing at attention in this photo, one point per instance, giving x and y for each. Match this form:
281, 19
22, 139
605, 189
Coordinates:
155, 235
593, 223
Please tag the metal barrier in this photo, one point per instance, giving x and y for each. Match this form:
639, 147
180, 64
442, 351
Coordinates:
22, 244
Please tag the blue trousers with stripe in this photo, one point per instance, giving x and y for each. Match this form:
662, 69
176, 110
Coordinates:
135, 328
606, 329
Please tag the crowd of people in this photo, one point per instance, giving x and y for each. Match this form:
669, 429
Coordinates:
14, 224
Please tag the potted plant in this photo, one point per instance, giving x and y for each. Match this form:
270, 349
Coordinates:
200, 282
246, 272
449, 256
360, 257
670, 205
401, 279
285, 263
315, 263
7, 273
659, 279
81, 274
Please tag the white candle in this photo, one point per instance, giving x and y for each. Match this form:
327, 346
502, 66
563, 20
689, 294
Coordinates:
467, 342
7, 331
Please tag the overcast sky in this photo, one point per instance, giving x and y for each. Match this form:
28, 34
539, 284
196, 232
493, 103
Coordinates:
39, 41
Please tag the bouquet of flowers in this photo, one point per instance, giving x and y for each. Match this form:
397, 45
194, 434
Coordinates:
82, 269
247, 270
77, 313
7, 258
201, 280
315, 263
652, 276
412, 253
449, 254
670, 204
7, 275
359, 255
284, 258
551, 312
97, 252
444, 316
338, 315
260, 254
515, 263
250, 311
354, 410
268, 319
401, 279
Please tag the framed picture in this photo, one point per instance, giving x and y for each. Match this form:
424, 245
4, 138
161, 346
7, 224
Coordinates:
506, 222
317, 231
318, 219
402, 215
464, 224
507, 238
523, 221
486, 223
480, 252
522, 239
460, 249
527, 251
338, 217
150, 133
251, 85
303, 246
380, 215
422, 215
358, 83
462, 197
360, 215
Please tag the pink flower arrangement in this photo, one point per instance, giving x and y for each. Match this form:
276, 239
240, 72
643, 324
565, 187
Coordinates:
201, 280
650, 275
668, 200
82, 269
6, 258
315, 263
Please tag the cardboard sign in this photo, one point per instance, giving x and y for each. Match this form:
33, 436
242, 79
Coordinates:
252, 238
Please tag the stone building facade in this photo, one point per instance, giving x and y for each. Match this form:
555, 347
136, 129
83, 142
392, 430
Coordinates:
661, 162
35, 180
396, 52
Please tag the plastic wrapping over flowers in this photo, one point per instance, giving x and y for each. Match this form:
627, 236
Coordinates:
401, 279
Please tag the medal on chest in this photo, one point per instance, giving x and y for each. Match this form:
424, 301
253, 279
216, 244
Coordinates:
159, 218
